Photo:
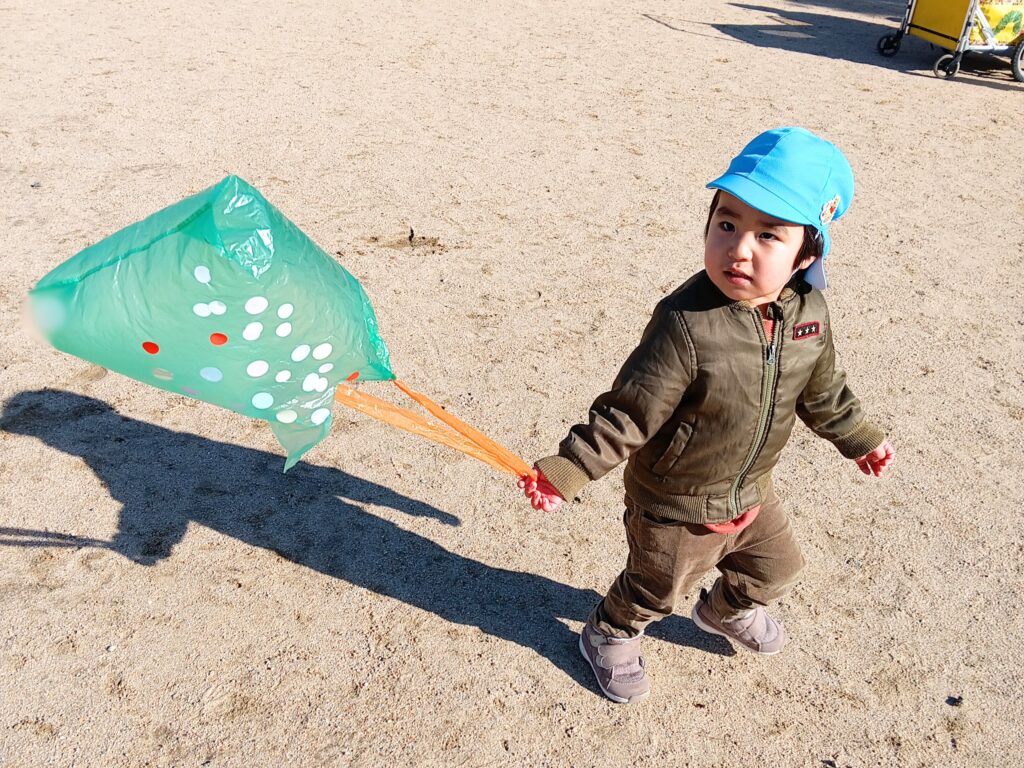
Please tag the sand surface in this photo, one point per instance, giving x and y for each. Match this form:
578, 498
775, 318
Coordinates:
168, 597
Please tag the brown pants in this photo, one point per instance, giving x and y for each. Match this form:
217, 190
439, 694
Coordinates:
666, 558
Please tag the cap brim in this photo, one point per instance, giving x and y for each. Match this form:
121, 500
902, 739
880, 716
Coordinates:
756, 196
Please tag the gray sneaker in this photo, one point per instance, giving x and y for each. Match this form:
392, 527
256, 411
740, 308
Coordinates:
617, 665
756, 631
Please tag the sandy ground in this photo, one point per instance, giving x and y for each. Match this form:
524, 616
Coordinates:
168, 597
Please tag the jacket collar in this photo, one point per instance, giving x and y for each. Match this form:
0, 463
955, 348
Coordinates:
796, 287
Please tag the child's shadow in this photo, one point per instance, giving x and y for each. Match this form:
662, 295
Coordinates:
311, 516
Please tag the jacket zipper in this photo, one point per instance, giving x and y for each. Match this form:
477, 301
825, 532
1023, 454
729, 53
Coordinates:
767, 399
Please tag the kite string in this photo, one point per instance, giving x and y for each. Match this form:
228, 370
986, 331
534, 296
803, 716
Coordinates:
458, 435
514, 465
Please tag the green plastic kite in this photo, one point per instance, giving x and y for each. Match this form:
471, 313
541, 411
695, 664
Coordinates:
221, 298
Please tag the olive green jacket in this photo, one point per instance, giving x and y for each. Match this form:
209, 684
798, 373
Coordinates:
703, 407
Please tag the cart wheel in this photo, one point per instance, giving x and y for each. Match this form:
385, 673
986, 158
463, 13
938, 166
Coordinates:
888, 45
1017, 61
946, 66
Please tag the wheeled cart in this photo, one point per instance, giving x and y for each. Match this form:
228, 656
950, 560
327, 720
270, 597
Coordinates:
960, 26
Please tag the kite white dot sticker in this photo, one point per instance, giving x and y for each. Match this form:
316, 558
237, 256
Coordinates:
322, 351
326, 367
283, 376
212, 374
262, 400
284, 329
252, 331
257, 368
256, 304
202, 309
322, 384
300, 353
285, 311
218, 307
202, 274
309, 383
287, 416
320, 415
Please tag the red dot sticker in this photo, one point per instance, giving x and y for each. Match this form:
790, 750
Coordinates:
218, 339
150, 347
353, 377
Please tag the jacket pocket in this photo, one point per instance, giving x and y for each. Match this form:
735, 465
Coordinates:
674, 450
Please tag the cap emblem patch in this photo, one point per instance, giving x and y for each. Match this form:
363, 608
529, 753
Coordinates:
806, 330
828, 210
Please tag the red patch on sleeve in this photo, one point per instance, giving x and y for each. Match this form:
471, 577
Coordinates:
806, 330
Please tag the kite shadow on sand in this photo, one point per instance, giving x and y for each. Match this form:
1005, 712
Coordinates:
313, 516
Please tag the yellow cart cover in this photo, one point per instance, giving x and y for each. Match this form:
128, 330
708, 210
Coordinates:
1006, 20
940, 21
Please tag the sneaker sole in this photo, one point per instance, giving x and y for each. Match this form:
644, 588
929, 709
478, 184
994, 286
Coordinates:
612, 696
695, 617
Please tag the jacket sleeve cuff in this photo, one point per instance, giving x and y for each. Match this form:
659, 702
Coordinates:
864, 438
567, 478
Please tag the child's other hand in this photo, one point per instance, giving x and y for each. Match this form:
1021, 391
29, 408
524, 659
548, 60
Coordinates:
541, 493
875, 462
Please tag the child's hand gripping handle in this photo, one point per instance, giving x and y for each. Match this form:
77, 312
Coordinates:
540, 492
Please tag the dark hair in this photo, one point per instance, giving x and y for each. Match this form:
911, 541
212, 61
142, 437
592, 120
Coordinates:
813, 244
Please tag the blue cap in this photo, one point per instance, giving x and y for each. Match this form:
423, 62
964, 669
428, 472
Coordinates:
793, 175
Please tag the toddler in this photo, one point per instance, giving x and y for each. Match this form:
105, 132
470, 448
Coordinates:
704, 405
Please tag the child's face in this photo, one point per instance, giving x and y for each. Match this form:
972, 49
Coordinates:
749, 255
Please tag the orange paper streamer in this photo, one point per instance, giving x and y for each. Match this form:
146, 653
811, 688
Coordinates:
514, 465
459, 435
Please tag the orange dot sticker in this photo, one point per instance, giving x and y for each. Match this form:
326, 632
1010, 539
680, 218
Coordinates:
150, 347
218, 339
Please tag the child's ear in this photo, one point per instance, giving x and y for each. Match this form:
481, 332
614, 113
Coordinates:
806, 262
